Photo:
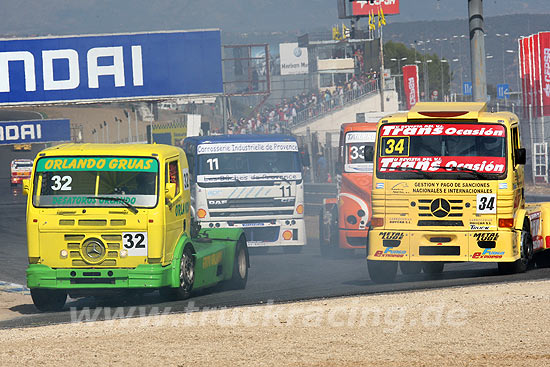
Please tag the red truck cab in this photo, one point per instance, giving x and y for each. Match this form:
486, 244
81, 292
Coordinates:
344, 220
20, 169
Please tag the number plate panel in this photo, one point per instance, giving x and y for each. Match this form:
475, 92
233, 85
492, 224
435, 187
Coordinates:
135, 243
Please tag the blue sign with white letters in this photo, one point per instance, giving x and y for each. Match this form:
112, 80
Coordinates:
502, 91
94, 68
467, 88
35, 131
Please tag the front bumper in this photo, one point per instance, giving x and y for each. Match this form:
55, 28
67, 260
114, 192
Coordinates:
143, 276
395, 245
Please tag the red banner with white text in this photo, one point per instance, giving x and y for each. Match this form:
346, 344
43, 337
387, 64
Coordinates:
544, 42
410, 85
367, 7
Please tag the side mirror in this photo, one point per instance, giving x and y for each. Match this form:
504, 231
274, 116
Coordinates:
170, 191
26, 185
521, 156
368, 153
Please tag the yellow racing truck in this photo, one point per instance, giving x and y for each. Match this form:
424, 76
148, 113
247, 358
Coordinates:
449, 187
104, 218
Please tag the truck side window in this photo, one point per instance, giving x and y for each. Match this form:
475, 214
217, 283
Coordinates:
173, 174
515, 142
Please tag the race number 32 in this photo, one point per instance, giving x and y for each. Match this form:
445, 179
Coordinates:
486, 204
135, 243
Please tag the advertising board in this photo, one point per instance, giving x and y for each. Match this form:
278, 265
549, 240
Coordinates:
34, 131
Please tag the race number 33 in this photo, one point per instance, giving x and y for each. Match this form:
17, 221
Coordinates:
135, 243
486, 204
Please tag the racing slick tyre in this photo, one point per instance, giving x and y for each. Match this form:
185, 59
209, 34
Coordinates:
240, 266
526, 250
433, 267
410, 267
382, 271
293, 249
48, 300
186, 277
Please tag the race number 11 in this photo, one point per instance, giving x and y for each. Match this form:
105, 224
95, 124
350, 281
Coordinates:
486, 204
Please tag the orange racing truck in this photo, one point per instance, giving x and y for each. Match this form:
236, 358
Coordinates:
449, 186
344, 220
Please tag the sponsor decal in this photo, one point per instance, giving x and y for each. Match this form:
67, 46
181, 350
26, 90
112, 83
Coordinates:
391, 235
484, 236
217, 202
488, 254
181, 209
243, 177
97, 164
399, 220
443, 164
212, 260
361, 137
447, 129
380, 185
390, 252
284, 146
400, 188
502, 186
253, 224
457, 187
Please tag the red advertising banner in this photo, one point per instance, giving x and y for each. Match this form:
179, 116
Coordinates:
544, 42
436, 128
529, 65
410, 85
442, 164
522, 73
537, 103
366, 7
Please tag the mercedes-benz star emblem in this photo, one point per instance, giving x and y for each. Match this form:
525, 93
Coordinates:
93, 250
440, 208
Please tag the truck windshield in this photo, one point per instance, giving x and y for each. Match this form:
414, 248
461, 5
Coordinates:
75, 181
357, 143
252, 165
445, 150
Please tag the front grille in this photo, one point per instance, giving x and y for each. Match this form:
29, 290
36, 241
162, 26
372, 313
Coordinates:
356, 241
455, 210
92, 281
440, 223
256, 213
440, 250
250, 203
112, 243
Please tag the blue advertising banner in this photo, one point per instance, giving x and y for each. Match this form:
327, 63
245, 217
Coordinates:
94, 68
34, 131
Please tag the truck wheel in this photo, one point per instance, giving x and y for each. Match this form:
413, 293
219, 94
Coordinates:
48, 299
382, 271
240, 266
410, 267
186, 277
526, 250
433, 267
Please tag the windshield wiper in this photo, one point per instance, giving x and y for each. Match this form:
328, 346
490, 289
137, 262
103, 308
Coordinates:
409, 169
468, 170
125, 202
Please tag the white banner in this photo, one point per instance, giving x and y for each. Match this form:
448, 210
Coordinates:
246, 177
294, 59
361, 137
284, 146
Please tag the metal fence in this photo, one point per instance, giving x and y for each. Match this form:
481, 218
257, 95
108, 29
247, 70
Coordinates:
338, 101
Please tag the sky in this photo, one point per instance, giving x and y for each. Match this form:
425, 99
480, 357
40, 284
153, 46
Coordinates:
27, 17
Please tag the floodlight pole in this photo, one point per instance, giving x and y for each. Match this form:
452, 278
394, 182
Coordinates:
477, 50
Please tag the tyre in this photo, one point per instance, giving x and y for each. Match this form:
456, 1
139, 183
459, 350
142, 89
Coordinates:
293, 249
410, 267
48, 300
526, 251
433, 267
240, 266
382, 271
186, 278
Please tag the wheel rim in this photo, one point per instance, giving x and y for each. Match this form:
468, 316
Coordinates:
241, 262
186, 271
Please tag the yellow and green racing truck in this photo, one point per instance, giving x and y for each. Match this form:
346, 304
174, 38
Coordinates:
104, 218
449, 186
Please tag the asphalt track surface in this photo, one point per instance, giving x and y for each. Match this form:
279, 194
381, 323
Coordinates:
274, 277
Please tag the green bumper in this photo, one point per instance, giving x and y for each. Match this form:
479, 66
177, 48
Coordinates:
143, 276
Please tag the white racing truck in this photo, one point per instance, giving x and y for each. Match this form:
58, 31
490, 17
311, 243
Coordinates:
253, 182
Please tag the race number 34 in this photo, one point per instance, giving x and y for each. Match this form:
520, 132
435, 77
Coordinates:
135, 243
486, 204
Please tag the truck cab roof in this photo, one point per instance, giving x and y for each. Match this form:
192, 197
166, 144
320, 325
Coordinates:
213, 139
160, 150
